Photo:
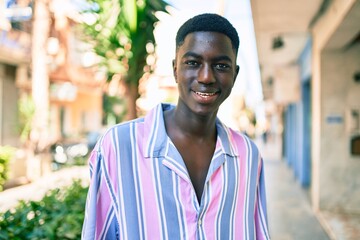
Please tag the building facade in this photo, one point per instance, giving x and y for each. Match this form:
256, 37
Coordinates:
319, 101
75, 95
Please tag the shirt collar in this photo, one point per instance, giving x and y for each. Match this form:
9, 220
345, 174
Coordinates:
156, 138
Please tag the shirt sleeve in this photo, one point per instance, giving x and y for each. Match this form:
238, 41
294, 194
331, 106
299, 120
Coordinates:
261, 222
99, 221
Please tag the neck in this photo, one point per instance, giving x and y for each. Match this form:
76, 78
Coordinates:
199, 127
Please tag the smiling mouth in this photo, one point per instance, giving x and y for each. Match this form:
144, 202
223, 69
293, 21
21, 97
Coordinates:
202, 94
206, 97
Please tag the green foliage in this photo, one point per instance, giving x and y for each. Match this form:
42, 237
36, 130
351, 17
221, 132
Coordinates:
59, 215
122, 35
26, 108
114, 108
121, 32
6, 153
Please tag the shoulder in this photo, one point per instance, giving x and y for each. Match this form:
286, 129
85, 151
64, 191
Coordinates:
241, 142
119, 132
236, 134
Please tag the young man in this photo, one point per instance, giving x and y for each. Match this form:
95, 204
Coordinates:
179, 173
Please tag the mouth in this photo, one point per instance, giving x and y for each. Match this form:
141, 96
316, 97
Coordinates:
206, 97
202, 94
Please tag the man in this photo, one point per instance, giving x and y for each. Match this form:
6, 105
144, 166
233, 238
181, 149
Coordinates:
179, 173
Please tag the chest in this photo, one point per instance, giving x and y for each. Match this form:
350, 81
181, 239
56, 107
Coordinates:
165, 198
197, 158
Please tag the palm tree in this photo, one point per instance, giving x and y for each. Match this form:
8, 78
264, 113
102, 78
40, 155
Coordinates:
121, 36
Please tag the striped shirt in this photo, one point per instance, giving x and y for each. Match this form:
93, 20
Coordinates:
140, 187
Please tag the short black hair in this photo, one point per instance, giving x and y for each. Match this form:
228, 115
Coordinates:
208, 22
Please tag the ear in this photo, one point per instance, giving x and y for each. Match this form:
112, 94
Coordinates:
174, 69
236, 72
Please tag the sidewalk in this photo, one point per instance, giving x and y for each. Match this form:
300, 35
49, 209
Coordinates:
36, 190
290, 215
289, 211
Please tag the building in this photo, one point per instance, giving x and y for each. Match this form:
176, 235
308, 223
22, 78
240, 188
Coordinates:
75, 92
309, 54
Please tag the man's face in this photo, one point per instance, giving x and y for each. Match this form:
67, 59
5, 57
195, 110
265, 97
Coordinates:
205, 70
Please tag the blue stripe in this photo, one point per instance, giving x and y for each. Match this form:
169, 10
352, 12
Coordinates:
236, 196
127, 179
228, 203
110, 226
158, 142
262, 203
167, 189
222, 202
181, 216
122, 223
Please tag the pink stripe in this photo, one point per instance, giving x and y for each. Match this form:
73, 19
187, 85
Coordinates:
239, 213
111, 164
102, 208
190, 211
213, 209
93, 160
121, 213
149, 200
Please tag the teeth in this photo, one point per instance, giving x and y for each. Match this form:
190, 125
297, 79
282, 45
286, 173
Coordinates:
205, 94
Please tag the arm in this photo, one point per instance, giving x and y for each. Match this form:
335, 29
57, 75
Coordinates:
261, 223
99, 219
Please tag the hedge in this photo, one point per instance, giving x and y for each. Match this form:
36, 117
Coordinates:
59, 215
6, 153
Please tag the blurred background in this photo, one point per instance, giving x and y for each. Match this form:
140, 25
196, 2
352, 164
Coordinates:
70, 69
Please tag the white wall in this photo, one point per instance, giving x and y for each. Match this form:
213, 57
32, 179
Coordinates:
335, 182
339, 170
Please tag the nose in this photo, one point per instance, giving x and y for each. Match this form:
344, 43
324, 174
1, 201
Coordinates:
206, 74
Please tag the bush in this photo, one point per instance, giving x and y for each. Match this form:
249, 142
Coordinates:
59, 215
6, 153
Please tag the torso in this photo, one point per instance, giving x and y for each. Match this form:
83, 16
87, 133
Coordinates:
196, 151
197, 157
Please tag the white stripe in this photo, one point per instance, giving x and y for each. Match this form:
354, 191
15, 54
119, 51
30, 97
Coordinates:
161, 209
223, 197
137, 190
176, 193
236, 197
207, 200
247, 192
174, 167
105, 230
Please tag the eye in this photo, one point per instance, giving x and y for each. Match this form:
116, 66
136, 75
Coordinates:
222, 66
191, 63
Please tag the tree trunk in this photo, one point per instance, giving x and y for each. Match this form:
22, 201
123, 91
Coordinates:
40, 76
131, 95
40, 79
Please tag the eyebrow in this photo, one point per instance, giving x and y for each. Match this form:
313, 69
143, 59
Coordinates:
195, 55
